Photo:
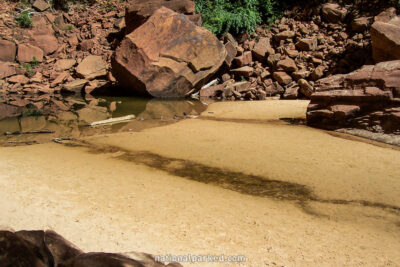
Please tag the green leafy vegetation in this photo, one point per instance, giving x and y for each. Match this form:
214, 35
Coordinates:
29, 67
31, 112
22, 4
24, 19
107, 6
236, 16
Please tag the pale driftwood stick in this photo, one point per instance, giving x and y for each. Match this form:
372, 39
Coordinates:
113, 120
209, 84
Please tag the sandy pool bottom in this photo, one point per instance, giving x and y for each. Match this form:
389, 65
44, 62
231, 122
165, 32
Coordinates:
236, 181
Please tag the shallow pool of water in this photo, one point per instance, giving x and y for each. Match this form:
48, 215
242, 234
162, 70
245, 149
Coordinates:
23, 129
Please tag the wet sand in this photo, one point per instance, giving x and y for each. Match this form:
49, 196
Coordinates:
231, 182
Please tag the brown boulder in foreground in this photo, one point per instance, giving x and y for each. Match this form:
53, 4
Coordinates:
168, 56
138, 11
368, 98
48, 249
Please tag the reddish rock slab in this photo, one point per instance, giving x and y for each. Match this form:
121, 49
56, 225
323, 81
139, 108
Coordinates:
37, 78
20, 102
317, 73
241, 86
138, 11
59, 79
244, 59
7, 69
245, 71
40, 5
231, 53
41, 25
287, 64
22, 79
282, 77
307, 44
385, 37
86, 45
261, 49
28, 53
75, 86
291, 92
47, 42
64, 64
7, 51
361, 24
386, 15
168, 56
91, 67
284, 35
333, 13
305, 87
212, 91
345, 110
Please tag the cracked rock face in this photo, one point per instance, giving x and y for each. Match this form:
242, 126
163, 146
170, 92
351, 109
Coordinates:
386, 40
138, 11
168, 56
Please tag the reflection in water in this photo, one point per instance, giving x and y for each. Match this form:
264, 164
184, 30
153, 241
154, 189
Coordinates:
148, 112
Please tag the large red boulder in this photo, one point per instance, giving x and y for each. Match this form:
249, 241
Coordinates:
368, 98
138, 11
385, 37
168, 56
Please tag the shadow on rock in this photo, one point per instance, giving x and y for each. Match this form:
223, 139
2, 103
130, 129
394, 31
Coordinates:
48, 249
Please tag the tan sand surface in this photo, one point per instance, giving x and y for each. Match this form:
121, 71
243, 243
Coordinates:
278, 194
258, 110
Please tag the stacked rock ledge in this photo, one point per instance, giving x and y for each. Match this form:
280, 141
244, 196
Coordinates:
368, 99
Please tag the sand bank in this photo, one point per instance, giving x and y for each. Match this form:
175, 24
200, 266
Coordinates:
275, 193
